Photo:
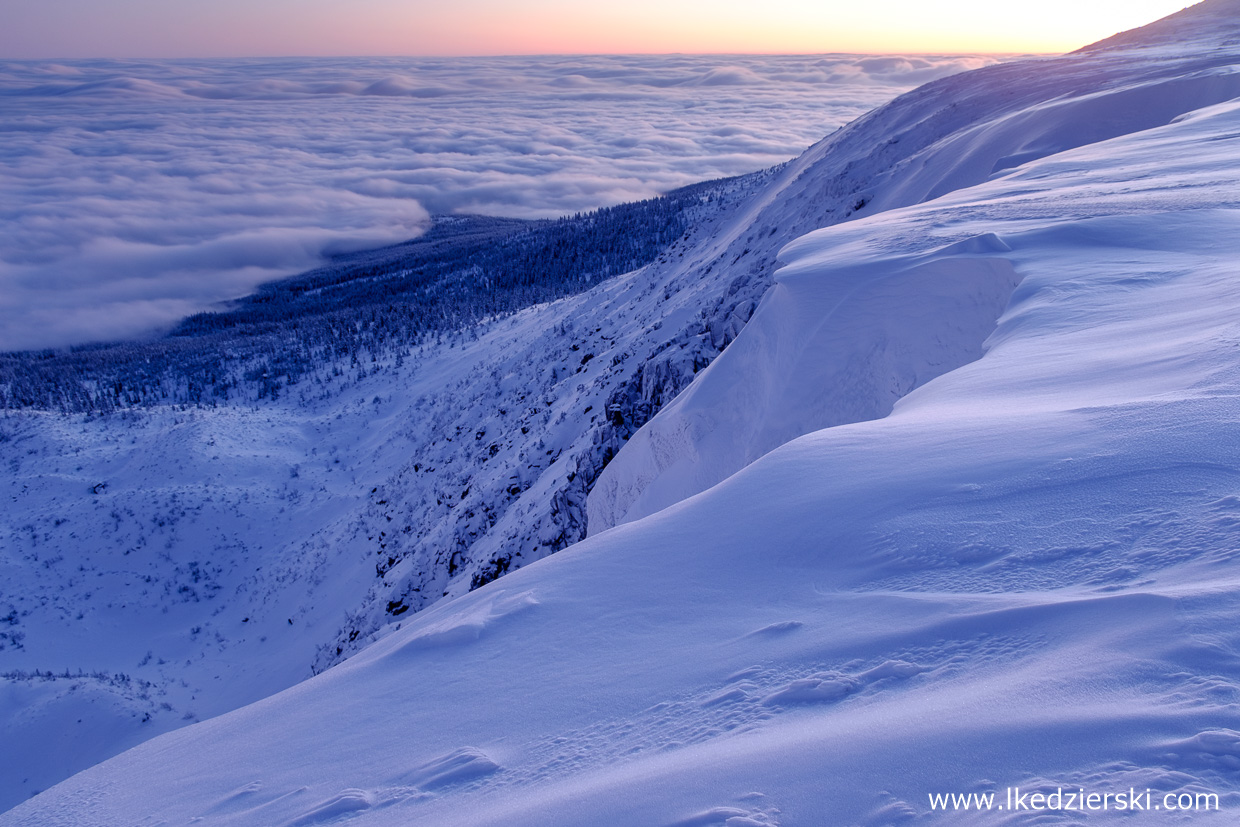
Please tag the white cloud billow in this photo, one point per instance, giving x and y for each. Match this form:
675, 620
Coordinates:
135, 192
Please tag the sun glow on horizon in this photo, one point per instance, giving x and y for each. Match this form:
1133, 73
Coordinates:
237, 28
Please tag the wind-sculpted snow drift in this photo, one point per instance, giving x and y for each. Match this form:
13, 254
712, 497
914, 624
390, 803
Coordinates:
1024, 574
873, 334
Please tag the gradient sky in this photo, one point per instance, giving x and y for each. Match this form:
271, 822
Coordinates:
238, 28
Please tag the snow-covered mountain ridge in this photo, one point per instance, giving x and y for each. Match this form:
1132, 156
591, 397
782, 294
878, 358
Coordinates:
880, 350
877, 583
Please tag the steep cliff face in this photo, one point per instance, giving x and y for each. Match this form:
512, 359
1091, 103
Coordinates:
650, 333
883, 335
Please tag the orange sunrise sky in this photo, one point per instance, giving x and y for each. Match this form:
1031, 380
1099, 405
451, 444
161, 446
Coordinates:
233, 28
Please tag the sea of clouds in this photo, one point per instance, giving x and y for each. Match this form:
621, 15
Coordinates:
133, 193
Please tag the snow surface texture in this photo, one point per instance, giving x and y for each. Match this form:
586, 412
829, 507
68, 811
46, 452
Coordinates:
1024, 575
133, 193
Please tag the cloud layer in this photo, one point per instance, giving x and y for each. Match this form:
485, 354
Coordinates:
135, 192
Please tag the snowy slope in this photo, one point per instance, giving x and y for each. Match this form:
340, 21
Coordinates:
1024, 575
168, 564
881, 338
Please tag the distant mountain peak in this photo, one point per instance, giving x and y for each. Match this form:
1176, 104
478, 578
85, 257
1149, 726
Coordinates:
1218, 19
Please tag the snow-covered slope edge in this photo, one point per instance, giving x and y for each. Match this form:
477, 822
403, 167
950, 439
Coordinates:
841, 346
1025, 575
889, 332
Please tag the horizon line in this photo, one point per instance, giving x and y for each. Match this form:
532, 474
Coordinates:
505, 55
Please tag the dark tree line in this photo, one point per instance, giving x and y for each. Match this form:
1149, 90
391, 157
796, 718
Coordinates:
338, 319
